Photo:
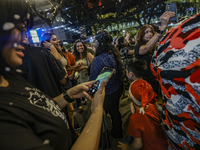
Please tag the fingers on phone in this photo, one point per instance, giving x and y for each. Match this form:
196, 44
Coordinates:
102, 86
87, 95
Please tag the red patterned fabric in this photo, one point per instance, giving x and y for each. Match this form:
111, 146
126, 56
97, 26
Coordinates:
176, 65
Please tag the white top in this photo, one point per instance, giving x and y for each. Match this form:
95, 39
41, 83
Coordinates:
84, 77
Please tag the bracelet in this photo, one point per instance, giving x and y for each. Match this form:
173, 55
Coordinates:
159, 31
50, 46
67, 98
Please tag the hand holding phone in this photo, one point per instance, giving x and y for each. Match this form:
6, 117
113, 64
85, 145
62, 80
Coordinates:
172, 7
105, 75
165, 19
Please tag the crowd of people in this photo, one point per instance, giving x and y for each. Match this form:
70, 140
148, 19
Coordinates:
39, 84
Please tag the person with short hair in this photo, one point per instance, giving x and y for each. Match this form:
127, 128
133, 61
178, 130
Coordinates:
134, 71
145, 123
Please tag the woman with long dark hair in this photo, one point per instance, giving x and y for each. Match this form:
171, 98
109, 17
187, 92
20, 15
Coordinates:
146, 45
83, 57
108, 55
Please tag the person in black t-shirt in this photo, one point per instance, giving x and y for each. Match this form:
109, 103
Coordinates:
30, 119
146, 44
42, 70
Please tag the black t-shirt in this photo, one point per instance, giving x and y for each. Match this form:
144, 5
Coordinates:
29, 119
148, 76
43, 70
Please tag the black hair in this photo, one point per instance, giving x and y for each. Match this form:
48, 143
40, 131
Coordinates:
19, 12
120, 41
76, 53
105, 46
62, 46
137, 66
61, 43
46, 37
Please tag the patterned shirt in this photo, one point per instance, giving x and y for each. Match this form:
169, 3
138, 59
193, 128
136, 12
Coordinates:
176, 66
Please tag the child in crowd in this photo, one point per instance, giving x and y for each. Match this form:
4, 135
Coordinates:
145, 123
134, 71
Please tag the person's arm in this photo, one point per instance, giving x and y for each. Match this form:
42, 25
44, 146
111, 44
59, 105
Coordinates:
71, 76
53, 50
71, 68
131, 52
144, 49
82, 67
78, 91
63, 81
90, 57
90, 136
135, 145
127, 36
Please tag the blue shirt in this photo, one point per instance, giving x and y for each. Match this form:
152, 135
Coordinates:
106, 60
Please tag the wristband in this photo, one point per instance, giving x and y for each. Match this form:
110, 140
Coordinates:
67, 98
159, 31
50, 46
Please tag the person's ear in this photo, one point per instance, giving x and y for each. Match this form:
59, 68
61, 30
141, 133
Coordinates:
131, 73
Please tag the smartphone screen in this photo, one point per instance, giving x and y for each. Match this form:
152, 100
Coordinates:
172, 7
105, 75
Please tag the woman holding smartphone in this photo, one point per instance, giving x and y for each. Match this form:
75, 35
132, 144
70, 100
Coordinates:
107, 55
146, 45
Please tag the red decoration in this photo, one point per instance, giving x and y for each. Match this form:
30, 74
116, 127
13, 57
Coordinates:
100, 3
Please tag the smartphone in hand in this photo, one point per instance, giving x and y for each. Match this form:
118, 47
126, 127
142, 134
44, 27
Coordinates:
172, 7
104, 75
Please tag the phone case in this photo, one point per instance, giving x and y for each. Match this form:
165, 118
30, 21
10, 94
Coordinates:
97, 84
172, 7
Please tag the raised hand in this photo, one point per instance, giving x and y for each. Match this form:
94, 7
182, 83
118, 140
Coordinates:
46, 44
123, 146
165, 19
99, 97
132, 108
